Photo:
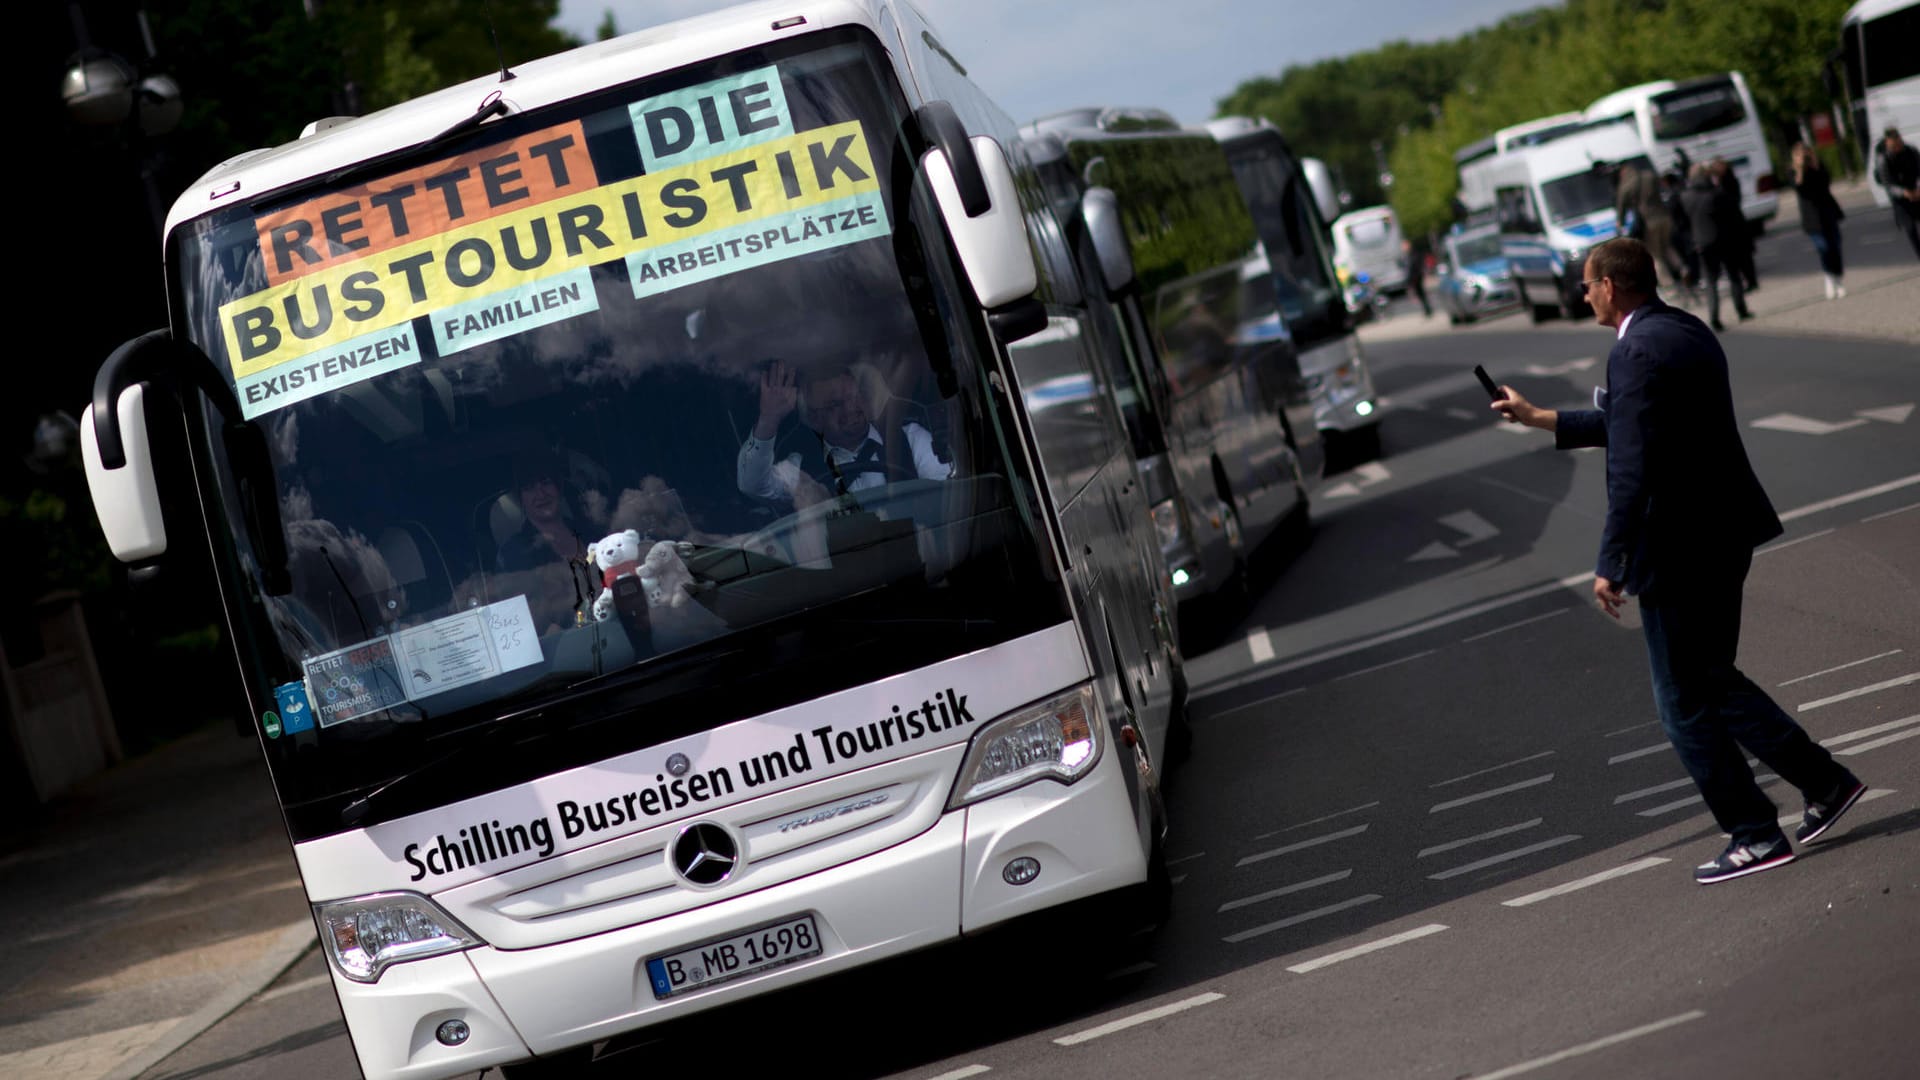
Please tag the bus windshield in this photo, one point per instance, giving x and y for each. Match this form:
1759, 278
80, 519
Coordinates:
1583, 193
1696, 110
607, 424
1281, 205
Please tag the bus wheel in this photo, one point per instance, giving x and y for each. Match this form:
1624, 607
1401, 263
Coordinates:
1537, 312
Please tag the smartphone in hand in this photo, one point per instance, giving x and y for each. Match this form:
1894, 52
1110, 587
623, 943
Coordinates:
1486, 382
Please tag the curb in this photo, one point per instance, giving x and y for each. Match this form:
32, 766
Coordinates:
287, 949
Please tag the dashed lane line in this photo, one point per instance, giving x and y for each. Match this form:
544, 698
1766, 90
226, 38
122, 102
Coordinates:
1640, 753
1476, 797
1842, 667
1383, 667
1452, 844
1514, 625
1871, 795
1295, 920
1505, 856
1318, 820
1496, 768
1789, 543
1762, 779
1137, 1019
1315, 842
1588, 1048
1415, 934
1285, 890
1890, 513
1880, 742
1591, 879
1671, 785
1870, 732
963, 1072
1862, 691
1187, 858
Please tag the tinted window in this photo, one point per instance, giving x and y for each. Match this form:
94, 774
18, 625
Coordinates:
1893, 47
1697, 109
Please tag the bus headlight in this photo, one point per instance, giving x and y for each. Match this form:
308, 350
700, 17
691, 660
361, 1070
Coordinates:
368, 934
1170, 523
1058, 739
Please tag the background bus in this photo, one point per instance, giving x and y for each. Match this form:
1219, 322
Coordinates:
845, 705
1879, 63
1712, 116
1279, 193
1368, 241
1472, 161
1241, 439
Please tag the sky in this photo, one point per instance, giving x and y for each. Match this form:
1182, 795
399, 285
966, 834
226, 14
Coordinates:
1040, 56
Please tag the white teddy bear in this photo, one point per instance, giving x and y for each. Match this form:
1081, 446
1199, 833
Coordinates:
617, 556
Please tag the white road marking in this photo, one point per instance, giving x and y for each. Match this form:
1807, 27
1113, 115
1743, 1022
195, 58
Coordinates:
1532, 782
1451, 844
1580, 883
1286, 890
1845, 666
1505, 856
1383, 667
1762, 779
1176, 879
1296, 920
1435, 550
1634, 728
1640, 753
1910, 677
1260, 644
1870, 732
1187, 858
1880, 742
1872, 794
1568, 368
1132, 969
1470, 525
1268, 700
1476, 610
1137, 1019
1495, 768
1654, 790
1789, 543
963, 1072
1415, 934
1803, 425
1318, 820
1315, 842
1850, 497
1588, 1048
1892, 414
1890, 513
1515, 625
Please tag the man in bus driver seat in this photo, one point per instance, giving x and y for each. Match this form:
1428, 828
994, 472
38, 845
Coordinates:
845, 451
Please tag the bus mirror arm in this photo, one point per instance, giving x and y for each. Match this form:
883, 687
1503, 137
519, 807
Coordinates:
119, 457
1100, 209
973, 185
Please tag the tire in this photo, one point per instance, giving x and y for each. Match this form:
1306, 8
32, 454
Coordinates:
1537, 312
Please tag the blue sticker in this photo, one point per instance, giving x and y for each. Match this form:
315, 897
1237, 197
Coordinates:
295, 713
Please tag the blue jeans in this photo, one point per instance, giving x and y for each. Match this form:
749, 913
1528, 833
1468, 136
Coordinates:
1711, 711
1827, 243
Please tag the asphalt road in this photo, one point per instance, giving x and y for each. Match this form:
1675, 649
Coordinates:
1430, 827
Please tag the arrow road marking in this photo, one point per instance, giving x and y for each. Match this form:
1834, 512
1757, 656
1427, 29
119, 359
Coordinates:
1472, 525
1892, 414
1803, 425
1365, 476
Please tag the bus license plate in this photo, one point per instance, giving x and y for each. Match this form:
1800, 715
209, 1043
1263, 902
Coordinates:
733, 957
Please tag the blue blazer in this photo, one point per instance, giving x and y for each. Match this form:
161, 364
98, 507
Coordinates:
1682, 498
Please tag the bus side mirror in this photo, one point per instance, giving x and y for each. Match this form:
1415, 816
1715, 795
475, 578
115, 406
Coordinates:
972, 182
126, 498
1100, 209
1320, 181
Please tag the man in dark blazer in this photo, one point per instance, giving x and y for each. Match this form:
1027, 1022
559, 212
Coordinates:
1684, 513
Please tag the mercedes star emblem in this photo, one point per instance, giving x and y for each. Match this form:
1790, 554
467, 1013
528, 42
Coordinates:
705, 854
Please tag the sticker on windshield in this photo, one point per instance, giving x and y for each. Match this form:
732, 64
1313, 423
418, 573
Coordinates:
504, 314
296, 715
418, 662
700, 121
349, 362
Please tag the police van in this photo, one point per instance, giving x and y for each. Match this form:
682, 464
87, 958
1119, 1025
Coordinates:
1553, 202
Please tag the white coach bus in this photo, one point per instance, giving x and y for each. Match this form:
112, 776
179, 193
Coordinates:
601, 678
1712, 116
1879, 58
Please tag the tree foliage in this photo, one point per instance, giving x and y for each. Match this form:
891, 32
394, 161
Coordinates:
1422, 102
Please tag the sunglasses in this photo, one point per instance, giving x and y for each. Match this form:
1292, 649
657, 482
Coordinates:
1587, 286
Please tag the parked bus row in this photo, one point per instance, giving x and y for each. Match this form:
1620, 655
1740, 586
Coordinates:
711, 511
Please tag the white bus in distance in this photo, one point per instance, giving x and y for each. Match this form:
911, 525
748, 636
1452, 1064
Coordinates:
806, 706
1879, 65
1555, 201
1712, 116
1473, 160
1368, 241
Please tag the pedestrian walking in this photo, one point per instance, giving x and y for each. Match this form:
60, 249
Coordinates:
1820, 214
1739, 249
1640, 211
1672, 186
1666, 420
1415, 250
1717, 225
1896, 167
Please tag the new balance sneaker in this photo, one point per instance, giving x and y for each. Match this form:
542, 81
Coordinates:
1739, 860
1820, 816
